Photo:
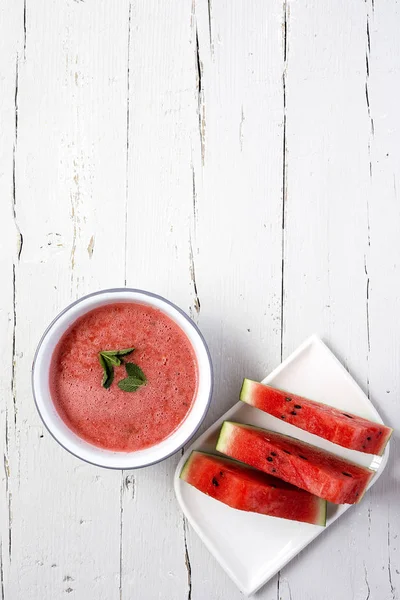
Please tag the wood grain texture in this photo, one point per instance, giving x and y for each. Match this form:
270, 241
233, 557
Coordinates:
161, 120
239, 199
10, 247
241, 159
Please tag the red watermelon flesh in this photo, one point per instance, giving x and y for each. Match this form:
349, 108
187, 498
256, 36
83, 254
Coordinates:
244, 488
307, 467
340, 427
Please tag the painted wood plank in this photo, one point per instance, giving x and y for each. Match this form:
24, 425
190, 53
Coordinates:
381, 555
238, 155
160, 223
11, 43
327, 237
70, 202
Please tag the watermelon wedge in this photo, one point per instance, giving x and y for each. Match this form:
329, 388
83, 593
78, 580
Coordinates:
307, 467
244, 488
342, 428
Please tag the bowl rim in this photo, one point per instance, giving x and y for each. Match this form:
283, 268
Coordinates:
150, 295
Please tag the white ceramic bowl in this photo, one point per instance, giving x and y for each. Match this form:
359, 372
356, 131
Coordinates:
76, 445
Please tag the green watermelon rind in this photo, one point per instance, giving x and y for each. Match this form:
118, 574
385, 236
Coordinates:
245, 395
186, 466
224, 435
323, 513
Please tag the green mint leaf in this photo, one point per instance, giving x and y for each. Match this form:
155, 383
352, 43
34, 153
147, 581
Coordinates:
133, 370
123, 352
111, 359
108, 379
130, 384
108, 372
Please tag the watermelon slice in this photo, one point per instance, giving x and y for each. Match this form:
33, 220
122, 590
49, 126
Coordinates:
312, 469
244, 488
342, 428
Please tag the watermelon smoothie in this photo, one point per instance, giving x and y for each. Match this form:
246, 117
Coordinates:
112, 418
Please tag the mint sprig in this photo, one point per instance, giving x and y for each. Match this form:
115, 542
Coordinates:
110, 359
136, 378
114, 358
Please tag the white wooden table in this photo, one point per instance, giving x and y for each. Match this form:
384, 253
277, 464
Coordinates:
242, 159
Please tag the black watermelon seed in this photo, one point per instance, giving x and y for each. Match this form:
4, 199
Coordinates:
215, 481
345, 415
287, 451
273, 471
303, 457
356, 493
273, 453
347, 474
221, 473
380, 433
269, 458
368, 438
297, 406
288, 399
293, 412
283, 417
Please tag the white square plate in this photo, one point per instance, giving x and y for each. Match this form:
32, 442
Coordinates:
240, 540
